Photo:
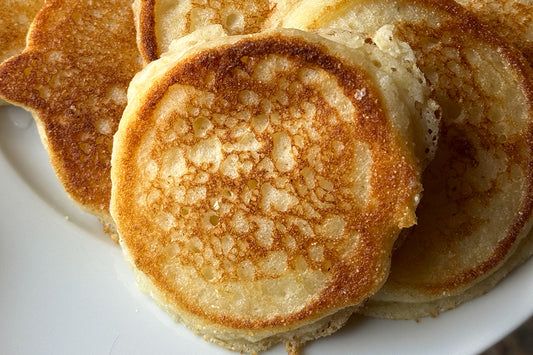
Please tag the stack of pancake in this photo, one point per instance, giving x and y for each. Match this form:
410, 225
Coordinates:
277, 166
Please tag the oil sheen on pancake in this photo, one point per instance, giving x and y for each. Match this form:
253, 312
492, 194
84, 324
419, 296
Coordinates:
15, 19
477, 191
159, 22
73, 77
260, 181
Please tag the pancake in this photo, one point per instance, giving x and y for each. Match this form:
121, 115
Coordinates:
512, 19
15, 19
405, 310
160, 22
260, 181
73, 77
477, 201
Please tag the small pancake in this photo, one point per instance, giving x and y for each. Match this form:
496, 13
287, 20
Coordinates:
159, 22
478, 190
512, 19
73, 77
260, 181
15, 19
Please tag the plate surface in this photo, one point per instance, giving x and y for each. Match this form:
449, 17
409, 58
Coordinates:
66, 289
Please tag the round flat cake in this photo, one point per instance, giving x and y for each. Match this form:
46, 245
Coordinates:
260, 181
73, 76
512, 19
478, 190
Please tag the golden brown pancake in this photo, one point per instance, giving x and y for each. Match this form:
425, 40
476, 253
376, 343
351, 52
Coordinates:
260, 181
512, 19
405, 310
73, 76
478, 190
159, 22
15, 19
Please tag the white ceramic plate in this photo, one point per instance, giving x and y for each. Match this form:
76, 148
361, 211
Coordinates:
65, 289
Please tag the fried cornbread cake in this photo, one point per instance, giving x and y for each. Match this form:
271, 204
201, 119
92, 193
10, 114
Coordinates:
159, 22
15, 19
73, 77
512, 19
260, 181
477, 202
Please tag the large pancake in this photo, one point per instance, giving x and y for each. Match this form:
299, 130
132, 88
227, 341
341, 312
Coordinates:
260, 181
512, 19
73, 77
15, 19
159, 22
477, 199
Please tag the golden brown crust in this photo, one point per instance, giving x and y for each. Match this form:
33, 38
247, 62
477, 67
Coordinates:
73, 77
15, 20
511, 19
149, 19
457, 141
406, 310
147, 41
483, 169
353, 269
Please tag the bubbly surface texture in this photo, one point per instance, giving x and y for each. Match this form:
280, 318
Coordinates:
159, 22
477, 191
73, 77
15, 20
259, 184
512, 19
